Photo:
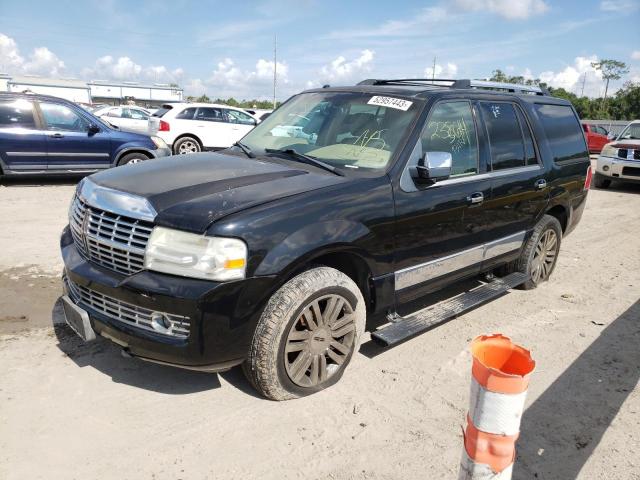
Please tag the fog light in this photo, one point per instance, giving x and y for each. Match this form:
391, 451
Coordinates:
160, 322
605, 168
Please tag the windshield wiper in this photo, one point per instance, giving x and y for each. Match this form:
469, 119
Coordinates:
247, 151
308, 159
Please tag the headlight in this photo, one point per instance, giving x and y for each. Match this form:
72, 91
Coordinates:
609, 151
159, 143
192, 255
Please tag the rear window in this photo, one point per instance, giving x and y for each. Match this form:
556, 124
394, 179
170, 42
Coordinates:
563, 132
186, 114
16, 114
161, 111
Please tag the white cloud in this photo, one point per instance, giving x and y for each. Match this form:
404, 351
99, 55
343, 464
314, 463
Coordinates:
229, 79
125, 69
41, 61
342, 70
509, 9
450, 70
572, 77
619, 5
635, 55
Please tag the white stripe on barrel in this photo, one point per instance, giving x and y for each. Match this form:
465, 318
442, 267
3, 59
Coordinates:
498, 413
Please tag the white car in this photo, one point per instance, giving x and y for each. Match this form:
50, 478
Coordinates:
126, 117
194, 127
620, 159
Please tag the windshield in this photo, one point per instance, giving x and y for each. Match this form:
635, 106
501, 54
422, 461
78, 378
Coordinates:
354, 130
632, 132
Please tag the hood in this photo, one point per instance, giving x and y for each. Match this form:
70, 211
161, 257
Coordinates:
190, 192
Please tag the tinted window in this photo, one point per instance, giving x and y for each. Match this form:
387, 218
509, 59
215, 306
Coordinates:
209, 114
61, 117
137, 114
186, 114
505, 136
16, 114
529, 149
236, 116
562, 129
160, 112
450, 128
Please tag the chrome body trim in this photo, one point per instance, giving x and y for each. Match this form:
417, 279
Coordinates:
115, 201
61, 154
26, 154
410, 276
487, 175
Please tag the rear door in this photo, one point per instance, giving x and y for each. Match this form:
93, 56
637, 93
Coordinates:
241, 124
70, 144
519, 189
22, 142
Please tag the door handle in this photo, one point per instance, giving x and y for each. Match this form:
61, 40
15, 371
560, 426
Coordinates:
540, 184
56, 135
476, 197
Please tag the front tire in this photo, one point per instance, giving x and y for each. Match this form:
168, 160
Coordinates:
186, 145
540, 254
132, 158
306, 335
600, 181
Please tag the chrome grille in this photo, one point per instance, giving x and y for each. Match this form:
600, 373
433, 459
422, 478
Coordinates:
126, 312
111, 240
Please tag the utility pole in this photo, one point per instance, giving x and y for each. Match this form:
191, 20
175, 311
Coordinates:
275, 68
433, 71
584, 79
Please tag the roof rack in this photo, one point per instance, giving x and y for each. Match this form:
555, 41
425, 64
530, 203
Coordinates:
461, 84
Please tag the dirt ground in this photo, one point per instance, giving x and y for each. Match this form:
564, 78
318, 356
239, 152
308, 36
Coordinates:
71, 411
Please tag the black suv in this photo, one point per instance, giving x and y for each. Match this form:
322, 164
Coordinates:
337, 213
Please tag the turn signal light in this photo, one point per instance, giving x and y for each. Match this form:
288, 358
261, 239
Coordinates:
164, 126
236, 263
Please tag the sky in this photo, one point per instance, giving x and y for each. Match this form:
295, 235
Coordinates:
225, 48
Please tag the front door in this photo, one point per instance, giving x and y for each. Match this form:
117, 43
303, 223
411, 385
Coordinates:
437, 239
70, 144
241, 124
22, 142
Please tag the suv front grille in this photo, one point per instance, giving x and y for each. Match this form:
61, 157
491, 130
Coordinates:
111, 240
127, 313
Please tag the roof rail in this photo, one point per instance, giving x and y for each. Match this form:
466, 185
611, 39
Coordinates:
460, 84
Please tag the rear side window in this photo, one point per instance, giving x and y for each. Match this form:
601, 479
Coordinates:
529, 149
16, 114
563, 132
505, 135
160, 112
186, 114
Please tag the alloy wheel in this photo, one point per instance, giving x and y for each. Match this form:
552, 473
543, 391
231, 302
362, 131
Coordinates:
544, 256
188, 147
320, 340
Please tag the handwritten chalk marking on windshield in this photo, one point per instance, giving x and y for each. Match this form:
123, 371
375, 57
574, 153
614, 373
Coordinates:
390, 102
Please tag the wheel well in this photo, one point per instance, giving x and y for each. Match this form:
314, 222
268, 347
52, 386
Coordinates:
195, 137
561, 214
129, 152
353, 267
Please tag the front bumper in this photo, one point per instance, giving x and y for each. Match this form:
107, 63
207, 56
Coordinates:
222, 316
618, 168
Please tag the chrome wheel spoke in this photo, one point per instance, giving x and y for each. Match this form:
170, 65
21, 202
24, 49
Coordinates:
334, 307
301, 365
336, 357
345, 320
295, 346
341, 332
299, 335
308, 316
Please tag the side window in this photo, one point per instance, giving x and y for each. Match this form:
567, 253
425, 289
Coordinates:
529, 149
186, 114
505, 136
236, 116
16, 114
115, 112
562, 130
138, 114
451, 128
601, 131
61, 117
209, 114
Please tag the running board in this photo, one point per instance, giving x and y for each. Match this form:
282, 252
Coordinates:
406, 327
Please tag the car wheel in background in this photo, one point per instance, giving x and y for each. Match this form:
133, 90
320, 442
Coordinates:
600, 181
307, 334
135, 157
186, 145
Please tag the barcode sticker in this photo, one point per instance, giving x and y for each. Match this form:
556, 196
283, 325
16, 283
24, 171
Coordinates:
390, 102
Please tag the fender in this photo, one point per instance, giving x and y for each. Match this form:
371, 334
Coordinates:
123, 151
311, 242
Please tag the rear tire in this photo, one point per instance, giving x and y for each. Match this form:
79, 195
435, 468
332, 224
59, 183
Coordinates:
600, 181
186, 145
307, 334
540, 254
132, 158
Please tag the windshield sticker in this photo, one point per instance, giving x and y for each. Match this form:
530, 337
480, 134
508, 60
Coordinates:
390, 102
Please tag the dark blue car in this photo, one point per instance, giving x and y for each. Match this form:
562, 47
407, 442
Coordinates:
48, 135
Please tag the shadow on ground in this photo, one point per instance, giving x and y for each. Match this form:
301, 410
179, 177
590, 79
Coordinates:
106, 357
40, 180
569, 419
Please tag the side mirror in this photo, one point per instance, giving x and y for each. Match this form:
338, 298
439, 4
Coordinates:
432, 167
93, 129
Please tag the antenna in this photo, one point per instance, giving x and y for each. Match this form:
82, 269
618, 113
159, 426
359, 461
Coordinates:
275, 67
584, 79
433, 71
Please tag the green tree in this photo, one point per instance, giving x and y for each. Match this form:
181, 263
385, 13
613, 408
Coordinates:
203, 98
611, 70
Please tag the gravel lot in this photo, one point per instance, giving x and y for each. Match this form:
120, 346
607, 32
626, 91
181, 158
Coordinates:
69, 410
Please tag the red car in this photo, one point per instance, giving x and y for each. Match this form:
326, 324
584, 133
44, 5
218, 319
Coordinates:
596, 137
